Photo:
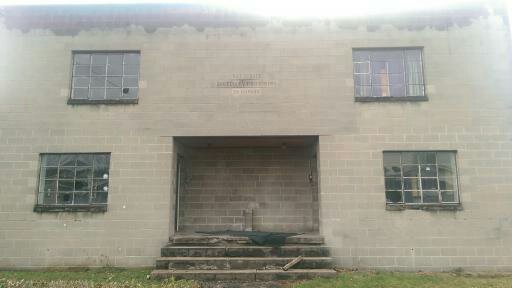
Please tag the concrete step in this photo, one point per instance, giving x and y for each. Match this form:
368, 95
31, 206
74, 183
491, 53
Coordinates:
227, 263
245, 251
222, 240
243, 275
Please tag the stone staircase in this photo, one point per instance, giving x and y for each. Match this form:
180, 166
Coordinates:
220, 258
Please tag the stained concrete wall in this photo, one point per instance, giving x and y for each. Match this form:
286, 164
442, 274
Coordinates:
271, 183
467, 70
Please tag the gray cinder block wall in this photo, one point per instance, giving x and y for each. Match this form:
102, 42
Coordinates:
270, 185
467, 67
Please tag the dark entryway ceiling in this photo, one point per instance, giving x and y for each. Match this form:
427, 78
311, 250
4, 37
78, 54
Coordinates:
247, 141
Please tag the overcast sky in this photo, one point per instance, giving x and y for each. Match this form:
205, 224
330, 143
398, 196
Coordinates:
291, 8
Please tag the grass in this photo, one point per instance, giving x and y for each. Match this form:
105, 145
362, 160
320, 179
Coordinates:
409, 280
137, 278
88, 278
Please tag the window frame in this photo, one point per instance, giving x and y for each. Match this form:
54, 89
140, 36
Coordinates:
72, 101
91, 207
451, 206
422, 98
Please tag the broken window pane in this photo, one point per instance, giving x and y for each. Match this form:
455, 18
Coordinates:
130, 93
428, 171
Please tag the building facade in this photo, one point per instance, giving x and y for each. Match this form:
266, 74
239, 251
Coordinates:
121, 126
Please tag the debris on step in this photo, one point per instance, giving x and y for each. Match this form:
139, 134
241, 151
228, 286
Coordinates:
292, 263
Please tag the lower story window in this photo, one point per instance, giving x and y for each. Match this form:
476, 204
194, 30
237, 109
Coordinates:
422, 177
73, 180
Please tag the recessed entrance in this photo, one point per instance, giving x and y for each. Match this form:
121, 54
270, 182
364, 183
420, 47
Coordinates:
246, 184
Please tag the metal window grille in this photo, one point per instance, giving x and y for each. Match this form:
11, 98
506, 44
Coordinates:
105, 75
388, 72
425, 177
74, 179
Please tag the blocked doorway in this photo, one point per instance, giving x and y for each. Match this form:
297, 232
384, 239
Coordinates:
246, 184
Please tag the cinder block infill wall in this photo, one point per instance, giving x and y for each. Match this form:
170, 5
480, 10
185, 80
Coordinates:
272, 182
467, 70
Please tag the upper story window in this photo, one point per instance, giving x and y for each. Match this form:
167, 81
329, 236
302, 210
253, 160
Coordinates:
105, 77
388, 74
71, 182
421, 178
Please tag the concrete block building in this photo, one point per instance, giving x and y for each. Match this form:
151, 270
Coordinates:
122, 126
